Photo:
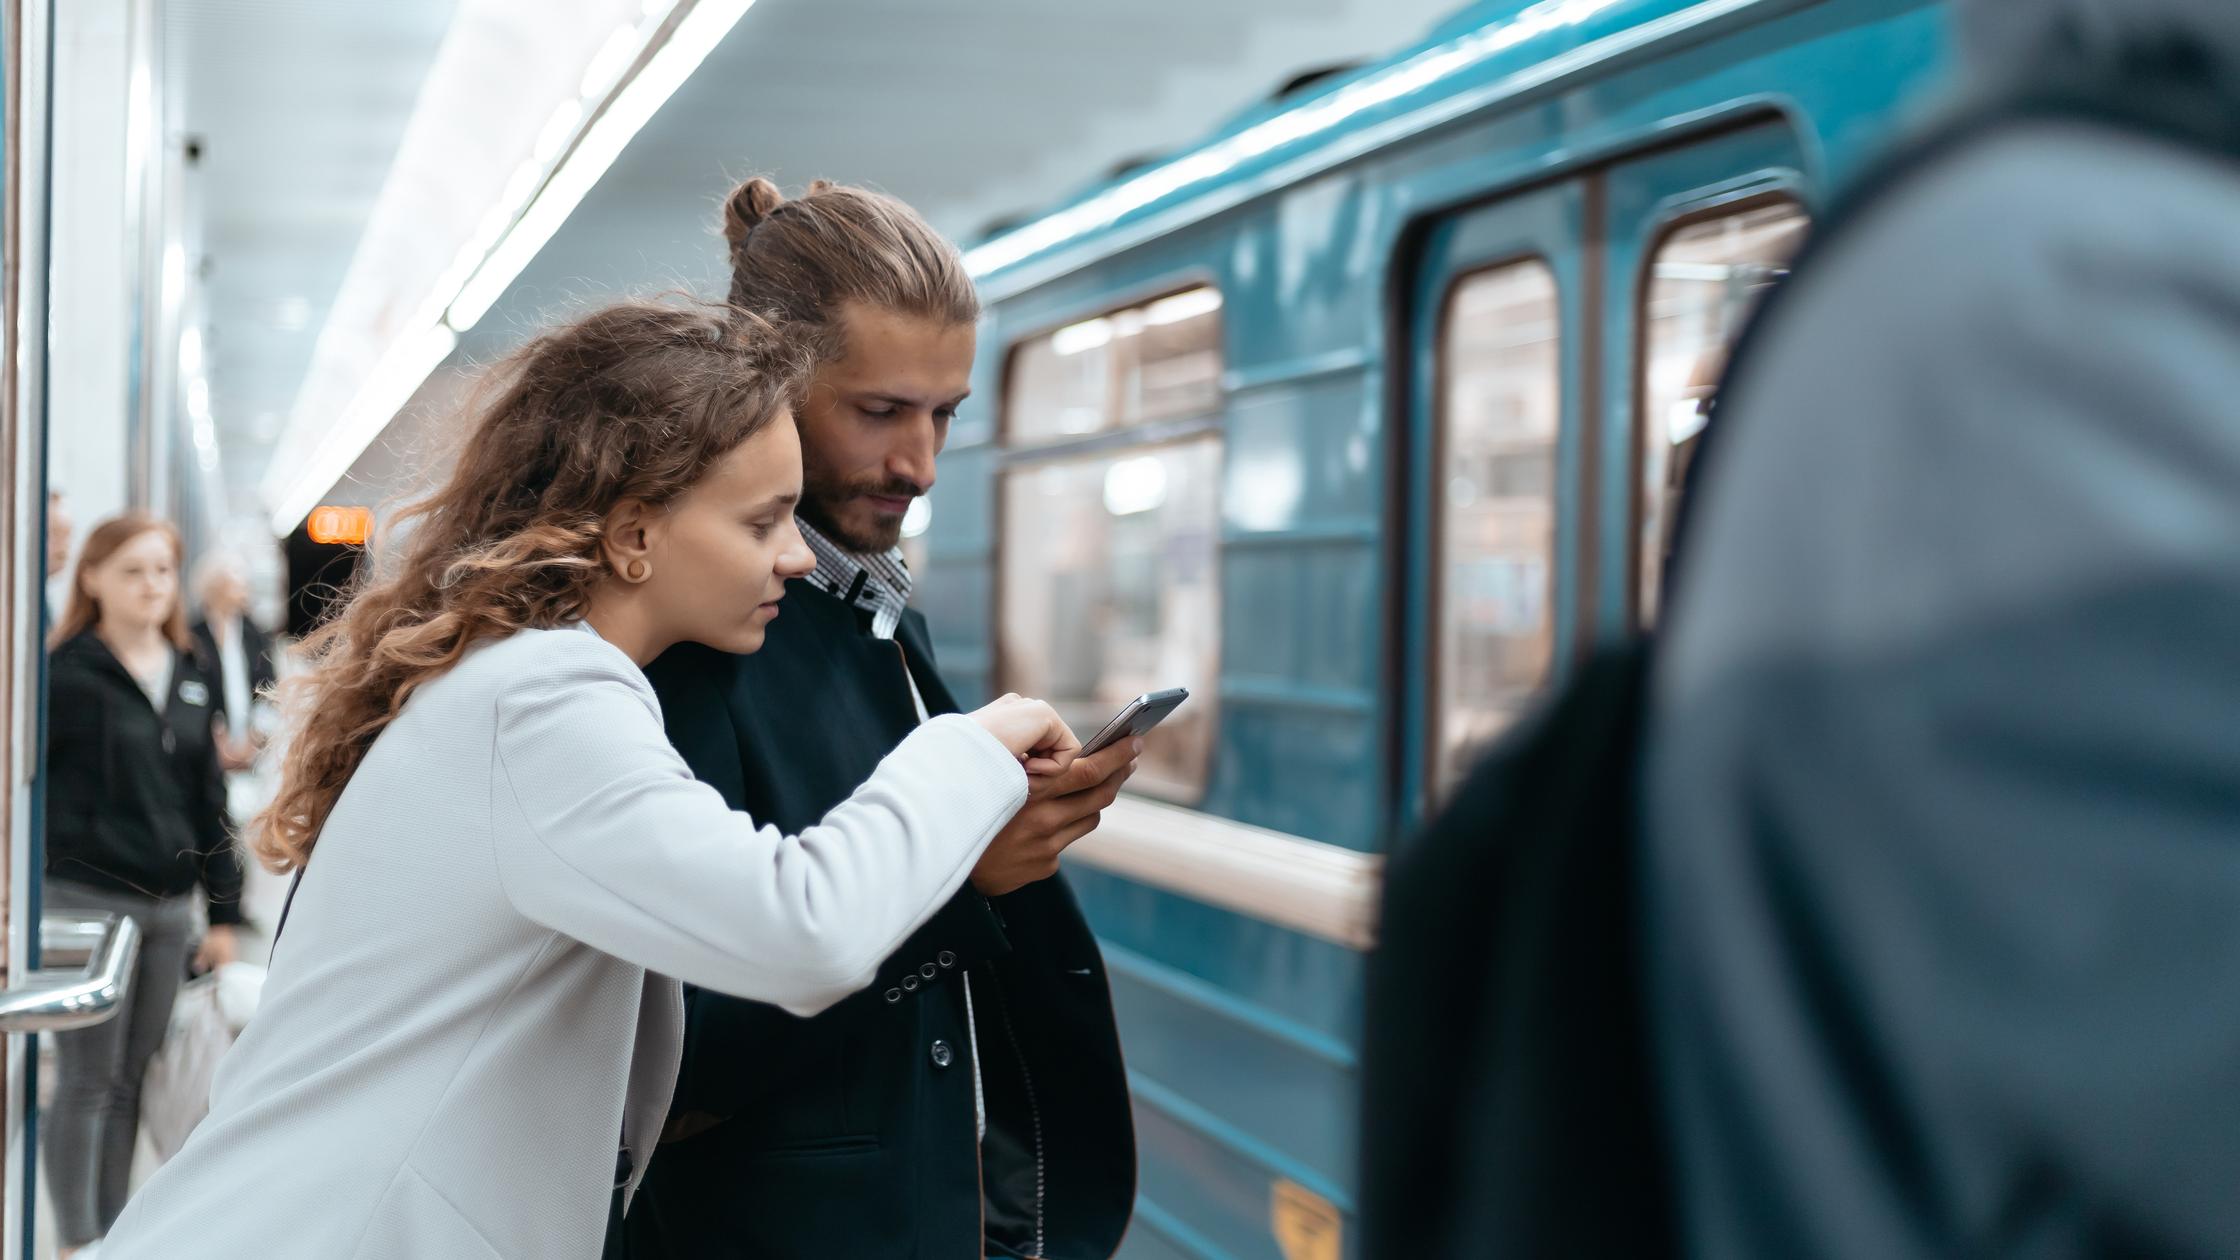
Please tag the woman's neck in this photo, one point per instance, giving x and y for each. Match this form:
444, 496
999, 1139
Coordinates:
626, 623
137, 642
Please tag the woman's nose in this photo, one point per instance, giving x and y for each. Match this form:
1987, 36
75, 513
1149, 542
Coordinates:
796, 560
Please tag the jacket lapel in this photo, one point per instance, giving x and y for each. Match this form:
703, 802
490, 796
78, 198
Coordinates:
844, 639
917, 649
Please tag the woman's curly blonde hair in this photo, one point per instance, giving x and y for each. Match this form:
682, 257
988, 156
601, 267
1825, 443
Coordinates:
634, 401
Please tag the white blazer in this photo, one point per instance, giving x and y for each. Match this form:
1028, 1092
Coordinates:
470, 1008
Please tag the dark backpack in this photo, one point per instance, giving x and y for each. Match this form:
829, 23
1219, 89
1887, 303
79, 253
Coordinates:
1509, 1099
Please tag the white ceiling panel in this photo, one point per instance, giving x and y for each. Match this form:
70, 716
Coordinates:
299, 105
968, 109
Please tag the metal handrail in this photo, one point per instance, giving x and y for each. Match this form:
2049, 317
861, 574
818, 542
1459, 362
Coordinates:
104, 948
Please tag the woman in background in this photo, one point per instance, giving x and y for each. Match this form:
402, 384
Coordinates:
135, 825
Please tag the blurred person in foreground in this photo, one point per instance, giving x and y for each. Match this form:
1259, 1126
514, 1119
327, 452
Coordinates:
239, 651
1887, 907
1942, 868
136, 827
971, 1101
466, 1039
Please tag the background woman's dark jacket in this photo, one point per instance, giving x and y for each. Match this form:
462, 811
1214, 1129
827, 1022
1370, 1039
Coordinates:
136, 801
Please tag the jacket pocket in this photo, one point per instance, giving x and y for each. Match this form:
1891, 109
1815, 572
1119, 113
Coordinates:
415, 1221
782, 1079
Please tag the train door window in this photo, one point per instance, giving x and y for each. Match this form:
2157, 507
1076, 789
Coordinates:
1108, 574
1156, 361
1500, 408
1704, 280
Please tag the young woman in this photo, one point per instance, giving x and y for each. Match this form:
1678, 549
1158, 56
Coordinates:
135, 823
469, 1035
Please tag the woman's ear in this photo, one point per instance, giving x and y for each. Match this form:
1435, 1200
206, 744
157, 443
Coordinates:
628, 540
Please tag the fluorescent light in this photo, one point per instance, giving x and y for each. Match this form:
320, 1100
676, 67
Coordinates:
610, 61
520, 187
919, 516
387, 389
505, 245
174, 271
635, 105
553, 140
190, 351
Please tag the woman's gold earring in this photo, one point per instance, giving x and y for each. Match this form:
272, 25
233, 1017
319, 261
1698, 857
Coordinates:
637, 571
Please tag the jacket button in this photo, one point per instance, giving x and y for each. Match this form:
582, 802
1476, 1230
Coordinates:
928, 971
910, 984
893, 996
946, 958
943, 1056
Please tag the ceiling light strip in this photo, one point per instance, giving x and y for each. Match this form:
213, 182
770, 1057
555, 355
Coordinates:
688, 42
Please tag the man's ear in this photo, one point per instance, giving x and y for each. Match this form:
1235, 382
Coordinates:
627, 542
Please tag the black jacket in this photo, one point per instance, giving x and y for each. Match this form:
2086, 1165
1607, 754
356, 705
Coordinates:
1507, 1101
256, 648
853, 1133
135, 799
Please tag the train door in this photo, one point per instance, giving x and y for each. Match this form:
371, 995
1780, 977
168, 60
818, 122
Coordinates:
1693, 236
1497, 527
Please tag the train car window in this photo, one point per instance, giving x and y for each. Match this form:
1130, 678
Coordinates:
1500, 408
1155, 361
1704, 280
1109, 570
1110, 588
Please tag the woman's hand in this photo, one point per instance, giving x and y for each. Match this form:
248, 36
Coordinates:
218, 948
1033, 732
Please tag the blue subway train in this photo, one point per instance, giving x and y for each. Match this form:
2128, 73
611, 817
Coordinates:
1362, 419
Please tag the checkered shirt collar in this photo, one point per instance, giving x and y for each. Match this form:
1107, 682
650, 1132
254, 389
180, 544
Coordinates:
879, 582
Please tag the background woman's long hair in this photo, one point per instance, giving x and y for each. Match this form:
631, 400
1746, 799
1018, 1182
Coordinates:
82, 612
635, 401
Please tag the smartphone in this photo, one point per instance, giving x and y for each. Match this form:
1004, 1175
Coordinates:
1142, 713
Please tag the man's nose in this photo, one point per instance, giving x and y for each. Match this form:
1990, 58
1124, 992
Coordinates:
912, 457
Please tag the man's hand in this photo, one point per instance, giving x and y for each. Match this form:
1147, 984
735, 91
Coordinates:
1061, 808
235, 754
218, 949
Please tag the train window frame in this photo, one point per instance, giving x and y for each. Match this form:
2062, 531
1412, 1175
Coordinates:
1014, 453
1437, 787
1012, 444
1694, 213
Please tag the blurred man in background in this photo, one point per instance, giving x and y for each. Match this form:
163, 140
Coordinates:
238, 648
1943, 817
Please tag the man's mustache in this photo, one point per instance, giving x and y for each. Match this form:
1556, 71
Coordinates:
899, 488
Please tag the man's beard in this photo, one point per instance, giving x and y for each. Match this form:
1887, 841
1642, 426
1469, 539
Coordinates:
823, 499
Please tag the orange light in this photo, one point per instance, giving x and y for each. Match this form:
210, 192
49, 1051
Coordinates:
347, 525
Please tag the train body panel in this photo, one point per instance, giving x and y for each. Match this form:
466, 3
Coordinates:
1541, 158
